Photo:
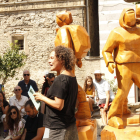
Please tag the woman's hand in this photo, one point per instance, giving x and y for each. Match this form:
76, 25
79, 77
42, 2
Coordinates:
38, 96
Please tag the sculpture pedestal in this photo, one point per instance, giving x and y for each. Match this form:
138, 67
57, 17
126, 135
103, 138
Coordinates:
87, 129
130, 132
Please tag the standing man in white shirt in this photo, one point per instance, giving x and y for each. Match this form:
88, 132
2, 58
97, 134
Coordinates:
19, 101
104, 93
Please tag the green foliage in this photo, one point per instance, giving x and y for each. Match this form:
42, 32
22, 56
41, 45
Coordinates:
10, 61
137, 2
113, 84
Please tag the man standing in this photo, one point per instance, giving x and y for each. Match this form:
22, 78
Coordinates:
49, 78
34, 129
25, 84
104, 93
18, 100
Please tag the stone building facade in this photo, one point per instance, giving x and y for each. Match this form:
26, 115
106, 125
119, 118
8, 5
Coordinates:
33, 23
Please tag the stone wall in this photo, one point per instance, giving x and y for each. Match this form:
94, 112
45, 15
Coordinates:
37, 25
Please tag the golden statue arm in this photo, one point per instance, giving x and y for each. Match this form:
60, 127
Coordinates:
110, 45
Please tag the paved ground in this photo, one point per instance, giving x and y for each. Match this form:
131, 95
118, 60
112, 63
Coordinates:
99, 123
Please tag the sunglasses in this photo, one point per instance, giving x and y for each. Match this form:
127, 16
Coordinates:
14, 112
17, 89
26, 74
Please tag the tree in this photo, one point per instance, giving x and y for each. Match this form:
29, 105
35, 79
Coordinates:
10, 61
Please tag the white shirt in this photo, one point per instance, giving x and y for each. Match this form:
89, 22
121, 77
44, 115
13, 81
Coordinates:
102, 87
13, 101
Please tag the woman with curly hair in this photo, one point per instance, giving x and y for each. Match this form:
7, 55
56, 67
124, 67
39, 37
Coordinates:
61, 97
15, 125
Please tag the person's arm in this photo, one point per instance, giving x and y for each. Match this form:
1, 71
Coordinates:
4, 110
22, 109
15, 138
111, 44
107, 100
93, 95
57, 103
40, 133
24, 134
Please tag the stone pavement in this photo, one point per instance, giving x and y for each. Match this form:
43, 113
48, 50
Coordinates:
99, 123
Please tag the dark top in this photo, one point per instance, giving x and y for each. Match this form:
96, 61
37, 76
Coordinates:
25, 88
32, 124
45, 88
64, 87
5, 103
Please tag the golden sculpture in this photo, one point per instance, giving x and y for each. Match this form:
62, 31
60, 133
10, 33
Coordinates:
77, 38
72, 36
138, 14
124, 42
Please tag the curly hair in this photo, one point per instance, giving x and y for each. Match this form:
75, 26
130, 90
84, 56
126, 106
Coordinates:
66, 55
10, 121
85, 84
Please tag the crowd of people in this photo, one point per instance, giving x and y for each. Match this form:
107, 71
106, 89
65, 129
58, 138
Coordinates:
56, 117
19, 116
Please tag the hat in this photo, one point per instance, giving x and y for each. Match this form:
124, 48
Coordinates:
98, 72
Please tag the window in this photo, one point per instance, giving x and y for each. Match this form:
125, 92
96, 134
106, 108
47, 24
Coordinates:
20, 39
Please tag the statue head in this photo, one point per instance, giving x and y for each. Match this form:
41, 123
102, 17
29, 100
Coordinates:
127, 18
64, 18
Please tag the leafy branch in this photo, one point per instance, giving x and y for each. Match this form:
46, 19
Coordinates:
10, 61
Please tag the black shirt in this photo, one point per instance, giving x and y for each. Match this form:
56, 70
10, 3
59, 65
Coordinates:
64, 87
32, 124
5, 103
25, 88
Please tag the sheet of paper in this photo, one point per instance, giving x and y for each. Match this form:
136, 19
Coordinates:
30, 93
46, 133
